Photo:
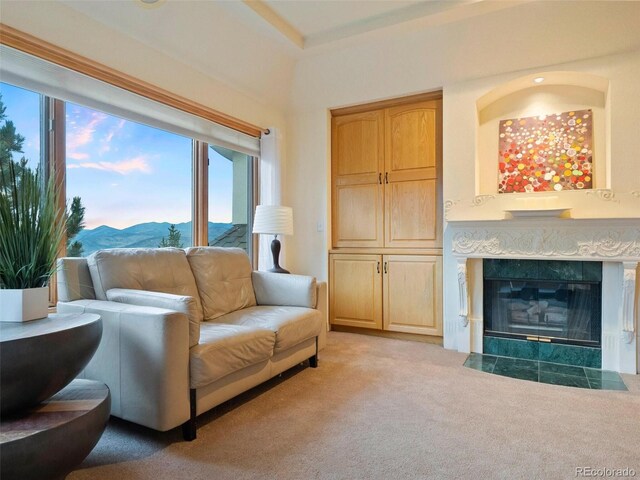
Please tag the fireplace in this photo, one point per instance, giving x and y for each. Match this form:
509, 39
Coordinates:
548, 300
603, 249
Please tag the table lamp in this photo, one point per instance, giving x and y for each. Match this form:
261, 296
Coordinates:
275, 220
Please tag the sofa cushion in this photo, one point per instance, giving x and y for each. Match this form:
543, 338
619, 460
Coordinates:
290, 290
223, 277
225, 348
291, 325
154, 269
179, 303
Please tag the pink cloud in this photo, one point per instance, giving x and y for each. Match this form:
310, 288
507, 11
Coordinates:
124, 167
78, 156
106, 140
82, 135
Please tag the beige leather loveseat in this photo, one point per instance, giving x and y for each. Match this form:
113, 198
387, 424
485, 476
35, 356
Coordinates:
185, 330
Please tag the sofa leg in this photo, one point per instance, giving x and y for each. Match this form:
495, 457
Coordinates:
313, 361
189, 427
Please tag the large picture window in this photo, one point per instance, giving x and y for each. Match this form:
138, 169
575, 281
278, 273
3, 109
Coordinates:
128, 184
133, 182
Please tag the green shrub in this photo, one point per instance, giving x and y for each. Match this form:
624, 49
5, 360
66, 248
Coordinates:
31, 227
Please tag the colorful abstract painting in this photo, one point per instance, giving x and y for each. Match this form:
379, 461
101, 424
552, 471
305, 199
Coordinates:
546, 153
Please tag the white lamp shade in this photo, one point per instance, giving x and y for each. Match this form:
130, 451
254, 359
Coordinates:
273, 219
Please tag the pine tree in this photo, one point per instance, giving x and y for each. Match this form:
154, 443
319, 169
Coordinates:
173, 240
10, 143
75, 224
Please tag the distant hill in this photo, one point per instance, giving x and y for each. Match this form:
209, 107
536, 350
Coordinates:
140, 235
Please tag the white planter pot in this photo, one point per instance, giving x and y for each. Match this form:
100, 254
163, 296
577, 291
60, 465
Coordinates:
24, 305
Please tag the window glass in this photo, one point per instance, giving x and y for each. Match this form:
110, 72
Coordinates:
230, 187
20, 125
128, 185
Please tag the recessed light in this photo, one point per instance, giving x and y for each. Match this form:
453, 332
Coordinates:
149, 1
538, 80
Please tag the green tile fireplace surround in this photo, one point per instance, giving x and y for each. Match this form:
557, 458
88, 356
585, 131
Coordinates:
580, 356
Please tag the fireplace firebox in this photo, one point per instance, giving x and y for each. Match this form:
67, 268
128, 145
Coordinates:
546, 301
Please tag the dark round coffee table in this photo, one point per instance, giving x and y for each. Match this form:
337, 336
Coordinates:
48, 440
40, 357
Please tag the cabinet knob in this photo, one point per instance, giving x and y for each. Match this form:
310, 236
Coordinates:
378, 267
385, 267
386, 177
380, 178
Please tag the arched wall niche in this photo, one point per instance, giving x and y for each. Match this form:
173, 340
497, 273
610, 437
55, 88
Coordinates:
522, 97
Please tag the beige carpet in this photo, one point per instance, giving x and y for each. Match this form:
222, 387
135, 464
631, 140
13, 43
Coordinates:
380, 408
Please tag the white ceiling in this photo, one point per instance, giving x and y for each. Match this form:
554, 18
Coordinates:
296, 27
323, 21
254, 45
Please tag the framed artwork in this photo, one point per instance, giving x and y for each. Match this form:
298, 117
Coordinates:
546, 153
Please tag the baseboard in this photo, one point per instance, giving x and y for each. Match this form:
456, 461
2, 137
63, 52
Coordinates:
414, 337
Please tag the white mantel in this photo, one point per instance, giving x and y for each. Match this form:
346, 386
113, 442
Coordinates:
616, 242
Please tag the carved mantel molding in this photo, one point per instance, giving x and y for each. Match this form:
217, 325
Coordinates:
603, 241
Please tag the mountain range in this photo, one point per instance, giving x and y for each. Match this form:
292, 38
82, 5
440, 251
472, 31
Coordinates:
140, 235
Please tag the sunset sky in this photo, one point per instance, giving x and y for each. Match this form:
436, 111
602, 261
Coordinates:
126, 173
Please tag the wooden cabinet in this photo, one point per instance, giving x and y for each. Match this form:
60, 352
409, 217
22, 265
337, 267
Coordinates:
412, 294
386, 207
385, 172
358, 144
411, 187
355, 290
398, 293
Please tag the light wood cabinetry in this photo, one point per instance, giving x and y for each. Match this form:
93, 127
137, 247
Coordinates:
412, 206
386, 264
385, 172
357, 141
398, 293
355, 290
412, 294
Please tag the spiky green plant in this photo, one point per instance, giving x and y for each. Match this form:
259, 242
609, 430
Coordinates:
31, 228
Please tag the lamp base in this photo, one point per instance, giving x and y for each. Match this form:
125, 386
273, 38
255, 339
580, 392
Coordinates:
275, 252
278, 270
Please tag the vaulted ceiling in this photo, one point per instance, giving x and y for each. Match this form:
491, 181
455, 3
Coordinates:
253, 45
295, 27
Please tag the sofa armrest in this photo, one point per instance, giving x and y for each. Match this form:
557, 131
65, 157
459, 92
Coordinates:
143, 358
179, 303
285, 290
74, 280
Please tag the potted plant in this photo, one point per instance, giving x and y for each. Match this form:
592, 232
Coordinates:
32, 225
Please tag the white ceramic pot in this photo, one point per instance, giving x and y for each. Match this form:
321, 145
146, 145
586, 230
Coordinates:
22, 305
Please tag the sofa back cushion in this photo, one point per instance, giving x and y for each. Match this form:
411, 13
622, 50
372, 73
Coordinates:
153, 269
223, 277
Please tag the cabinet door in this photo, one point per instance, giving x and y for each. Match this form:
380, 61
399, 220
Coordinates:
412, 294
355, 290
357, 153
412, 176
